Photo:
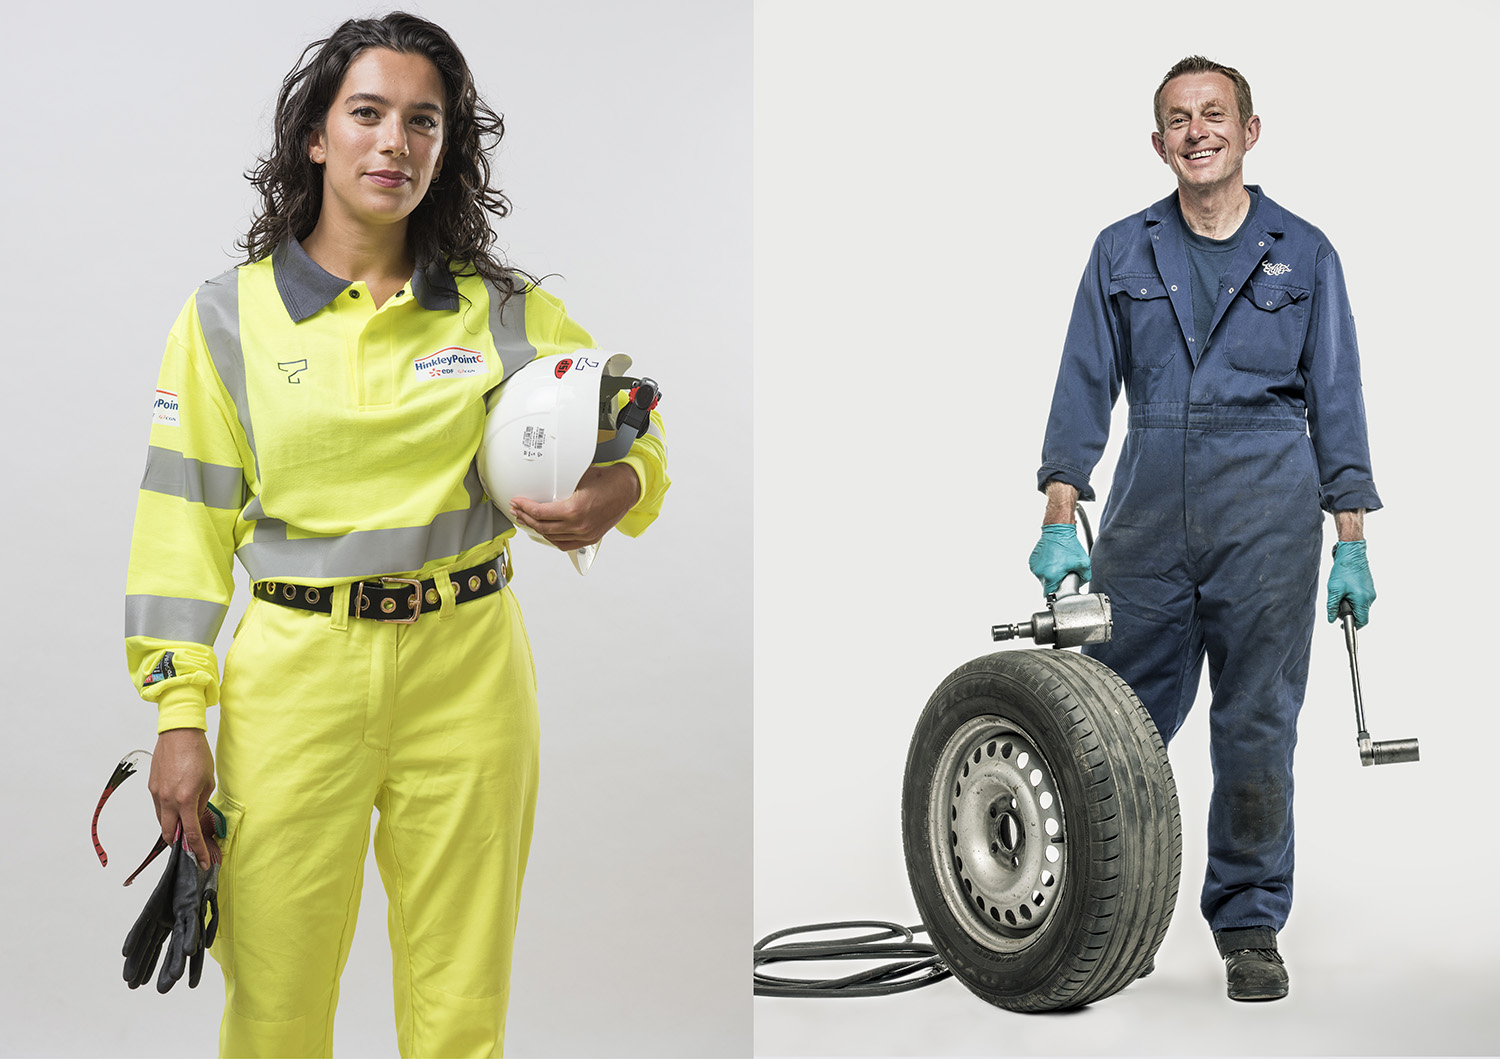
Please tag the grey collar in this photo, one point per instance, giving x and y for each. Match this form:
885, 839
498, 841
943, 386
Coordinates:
305, 286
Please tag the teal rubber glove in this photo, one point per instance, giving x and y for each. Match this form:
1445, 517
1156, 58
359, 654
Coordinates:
1350, 579
1059, 554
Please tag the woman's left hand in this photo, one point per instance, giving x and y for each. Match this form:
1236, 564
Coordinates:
603, 497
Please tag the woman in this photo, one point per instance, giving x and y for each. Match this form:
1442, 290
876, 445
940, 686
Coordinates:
293, 428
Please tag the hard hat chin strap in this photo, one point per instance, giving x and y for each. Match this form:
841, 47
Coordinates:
633, 420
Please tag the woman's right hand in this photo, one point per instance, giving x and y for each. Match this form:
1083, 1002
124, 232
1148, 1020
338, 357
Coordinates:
182, 778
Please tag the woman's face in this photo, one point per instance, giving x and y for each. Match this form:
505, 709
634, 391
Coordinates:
383, 140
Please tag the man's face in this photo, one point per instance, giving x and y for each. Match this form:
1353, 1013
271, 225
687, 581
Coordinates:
1206, 138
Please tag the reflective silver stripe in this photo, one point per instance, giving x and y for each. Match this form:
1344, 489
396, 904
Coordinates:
219, 314
212, 484
174, 618
367, 553
269, 529
508, 329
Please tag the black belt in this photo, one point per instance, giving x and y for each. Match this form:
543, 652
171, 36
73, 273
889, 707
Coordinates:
390, 599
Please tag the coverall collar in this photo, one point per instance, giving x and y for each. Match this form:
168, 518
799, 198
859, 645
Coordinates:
305, 286
1165, 222
1267, 214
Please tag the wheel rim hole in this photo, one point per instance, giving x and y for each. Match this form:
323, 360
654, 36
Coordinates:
968, 886
1051, 826
977, 753
1005, 750
1010, 917
1045, 801
952, 812
1047, 879
1052, 854
994, 913
953, 839
1021, 759
966, 769
1036, 777
1025, 913
990, 750
1037, 897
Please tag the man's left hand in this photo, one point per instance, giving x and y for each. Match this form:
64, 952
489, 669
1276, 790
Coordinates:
603, 497
1350, 579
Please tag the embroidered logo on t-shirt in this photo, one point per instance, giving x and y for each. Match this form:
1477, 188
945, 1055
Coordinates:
1277, 269
451, 363
293, 368
164, 411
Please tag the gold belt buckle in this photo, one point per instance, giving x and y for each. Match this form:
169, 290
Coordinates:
415, 602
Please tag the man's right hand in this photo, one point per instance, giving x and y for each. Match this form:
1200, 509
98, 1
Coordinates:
1057, 555
182, 778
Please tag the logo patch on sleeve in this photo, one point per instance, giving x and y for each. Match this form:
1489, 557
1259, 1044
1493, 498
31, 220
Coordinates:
164, 670
450, 363
164, 411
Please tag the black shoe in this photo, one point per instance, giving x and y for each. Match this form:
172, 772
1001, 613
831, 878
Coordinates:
1252, 966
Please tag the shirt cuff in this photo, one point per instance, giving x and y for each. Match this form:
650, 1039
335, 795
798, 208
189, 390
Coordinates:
182, 706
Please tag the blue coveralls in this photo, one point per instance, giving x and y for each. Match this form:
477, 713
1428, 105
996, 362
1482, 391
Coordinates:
1210, 539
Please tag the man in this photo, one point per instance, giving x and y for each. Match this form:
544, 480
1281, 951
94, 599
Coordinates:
1225, 319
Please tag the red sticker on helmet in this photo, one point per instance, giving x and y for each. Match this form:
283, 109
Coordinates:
562, 367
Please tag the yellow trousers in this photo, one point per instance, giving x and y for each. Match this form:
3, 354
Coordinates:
433, 724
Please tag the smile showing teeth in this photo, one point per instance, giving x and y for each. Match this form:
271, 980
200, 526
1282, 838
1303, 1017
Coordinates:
1203, 154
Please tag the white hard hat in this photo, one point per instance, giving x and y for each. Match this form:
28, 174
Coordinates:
553, 418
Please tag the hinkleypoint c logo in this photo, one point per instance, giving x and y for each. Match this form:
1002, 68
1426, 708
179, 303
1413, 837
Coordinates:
450, 362
165, 411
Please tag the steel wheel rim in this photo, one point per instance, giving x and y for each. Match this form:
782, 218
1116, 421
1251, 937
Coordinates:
999, 840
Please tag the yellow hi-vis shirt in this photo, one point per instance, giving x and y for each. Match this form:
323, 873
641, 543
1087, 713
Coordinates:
323, 439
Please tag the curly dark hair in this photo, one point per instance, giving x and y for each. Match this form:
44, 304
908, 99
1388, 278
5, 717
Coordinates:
452, 222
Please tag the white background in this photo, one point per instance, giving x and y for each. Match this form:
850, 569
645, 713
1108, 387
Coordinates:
929, 181
627, 156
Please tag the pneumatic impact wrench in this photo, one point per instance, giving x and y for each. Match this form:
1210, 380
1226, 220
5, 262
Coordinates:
1072, 618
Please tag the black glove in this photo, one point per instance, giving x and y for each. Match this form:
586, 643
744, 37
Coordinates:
210, 898
174, 911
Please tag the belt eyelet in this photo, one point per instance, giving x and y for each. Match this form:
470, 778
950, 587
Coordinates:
364, 604
491, 576
474, 583
269, 586
289, 592
388, 605
432, 595
313, 595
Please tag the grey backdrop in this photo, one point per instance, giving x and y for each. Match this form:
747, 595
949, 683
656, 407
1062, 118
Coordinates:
627, 156
928, 184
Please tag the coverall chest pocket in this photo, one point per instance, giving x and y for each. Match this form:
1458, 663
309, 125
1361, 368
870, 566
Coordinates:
1265, 333
1148, 324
